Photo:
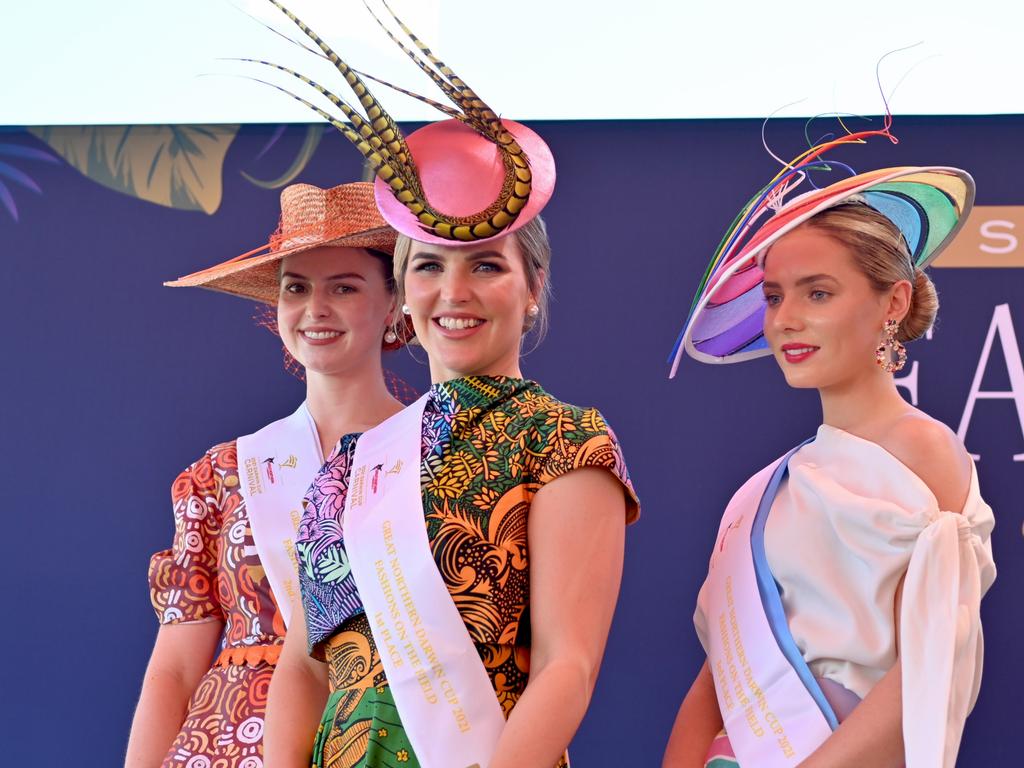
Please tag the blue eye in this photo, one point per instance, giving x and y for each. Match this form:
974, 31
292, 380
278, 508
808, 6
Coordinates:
428, 266
819, 295
772, 299
487, 266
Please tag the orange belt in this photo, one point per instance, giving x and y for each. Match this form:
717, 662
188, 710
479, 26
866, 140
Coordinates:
248, 655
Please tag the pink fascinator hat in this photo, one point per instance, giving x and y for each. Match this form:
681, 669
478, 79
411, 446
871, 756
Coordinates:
466, 179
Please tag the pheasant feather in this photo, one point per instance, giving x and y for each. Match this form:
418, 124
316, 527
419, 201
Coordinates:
381, 142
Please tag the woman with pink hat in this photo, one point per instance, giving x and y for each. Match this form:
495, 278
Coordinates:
459, 563
229, 580
840, 614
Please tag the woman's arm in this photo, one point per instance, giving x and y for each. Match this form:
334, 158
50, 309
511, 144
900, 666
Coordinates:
872, 734
182, 654
576, 535
295, 704
697, 723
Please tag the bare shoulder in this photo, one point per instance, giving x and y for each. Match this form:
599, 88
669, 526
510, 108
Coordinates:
935, 454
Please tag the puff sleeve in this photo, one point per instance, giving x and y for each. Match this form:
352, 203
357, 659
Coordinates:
182, 579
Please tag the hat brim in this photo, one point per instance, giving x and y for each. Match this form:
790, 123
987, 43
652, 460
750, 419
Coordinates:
460, 172
928, 204
256, 277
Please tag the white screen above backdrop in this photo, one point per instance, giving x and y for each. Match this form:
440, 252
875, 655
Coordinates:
157, 61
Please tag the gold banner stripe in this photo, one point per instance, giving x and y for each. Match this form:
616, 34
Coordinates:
992, 237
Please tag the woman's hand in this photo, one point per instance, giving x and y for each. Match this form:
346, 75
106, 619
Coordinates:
182, 654
576, 535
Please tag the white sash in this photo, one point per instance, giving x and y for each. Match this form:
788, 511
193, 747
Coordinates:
445, 698
771, 705
275, 467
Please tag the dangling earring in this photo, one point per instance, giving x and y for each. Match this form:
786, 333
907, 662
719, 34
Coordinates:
390, 337
406, 310
532, 310
891, 355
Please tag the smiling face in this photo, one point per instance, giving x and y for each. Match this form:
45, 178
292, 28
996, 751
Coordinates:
469, 306
824, 317
333, 307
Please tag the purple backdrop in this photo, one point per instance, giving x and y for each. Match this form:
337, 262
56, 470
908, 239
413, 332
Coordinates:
113, 384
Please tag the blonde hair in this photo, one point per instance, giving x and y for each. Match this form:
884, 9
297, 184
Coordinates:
881, 252
532, 239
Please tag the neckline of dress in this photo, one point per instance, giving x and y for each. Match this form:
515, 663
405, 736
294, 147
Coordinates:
480, 391
841, 433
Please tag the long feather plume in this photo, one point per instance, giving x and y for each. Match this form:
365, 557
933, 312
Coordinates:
379, 139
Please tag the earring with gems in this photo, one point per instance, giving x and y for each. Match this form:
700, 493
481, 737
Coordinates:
891, 355
532, 310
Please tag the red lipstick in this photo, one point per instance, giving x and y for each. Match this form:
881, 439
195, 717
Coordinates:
797, 353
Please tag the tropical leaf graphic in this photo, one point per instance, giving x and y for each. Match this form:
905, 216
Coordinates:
15, 175
334, 565
178, 166
313, 135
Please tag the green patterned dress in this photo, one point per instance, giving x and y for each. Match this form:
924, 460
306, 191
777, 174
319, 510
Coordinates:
488, 445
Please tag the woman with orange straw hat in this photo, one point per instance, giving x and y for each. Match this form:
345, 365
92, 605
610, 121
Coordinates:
229, 579
840, 614
459, 563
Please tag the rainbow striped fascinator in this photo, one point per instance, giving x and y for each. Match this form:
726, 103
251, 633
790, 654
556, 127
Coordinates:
726, 319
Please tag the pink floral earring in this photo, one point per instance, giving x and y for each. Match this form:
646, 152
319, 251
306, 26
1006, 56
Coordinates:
891, 355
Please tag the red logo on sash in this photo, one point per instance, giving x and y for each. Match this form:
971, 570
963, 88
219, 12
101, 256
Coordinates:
377, 469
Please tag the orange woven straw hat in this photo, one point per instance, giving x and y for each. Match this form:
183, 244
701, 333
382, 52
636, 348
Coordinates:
311, 217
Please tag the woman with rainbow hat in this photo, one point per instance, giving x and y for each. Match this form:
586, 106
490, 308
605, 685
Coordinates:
228, 580
840, 614
460, 563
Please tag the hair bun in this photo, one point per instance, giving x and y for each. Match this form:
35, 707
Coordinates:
924, 305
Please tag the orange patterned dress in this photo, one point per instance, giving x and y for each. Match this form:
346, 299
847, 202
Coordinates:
212, 573
488, 445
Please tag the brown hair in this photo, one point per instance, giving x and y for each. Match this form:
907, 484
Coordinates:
532, 239
881, 252
386, 263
